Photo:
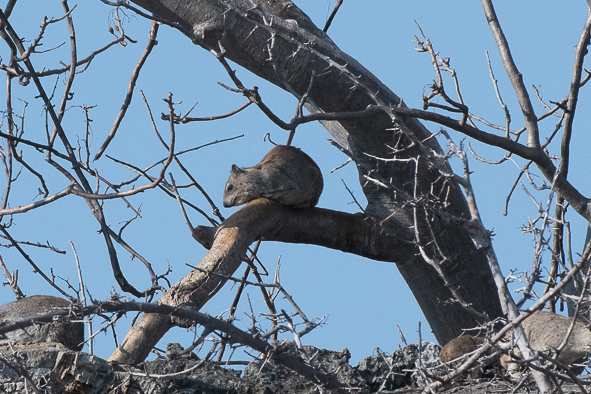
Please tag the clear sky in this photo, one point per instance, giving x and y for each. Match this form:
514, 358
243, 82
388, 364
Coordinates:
364, 300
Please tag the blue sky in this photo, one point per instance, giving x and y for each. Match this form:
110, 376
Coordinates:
364, 300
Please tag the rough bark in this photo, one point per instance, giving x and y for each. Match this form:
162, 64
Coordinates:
301, 49
52, 368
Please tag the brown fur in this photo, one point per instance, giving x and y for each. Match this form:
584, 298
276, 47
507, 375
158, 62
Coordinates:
285, 174
458, 347
545, 332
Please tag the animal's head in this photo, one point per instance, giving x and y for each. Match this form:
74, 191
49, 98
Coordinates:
240, 187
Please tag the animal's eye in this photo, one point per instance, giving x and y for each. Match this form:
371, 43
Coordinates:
230, 188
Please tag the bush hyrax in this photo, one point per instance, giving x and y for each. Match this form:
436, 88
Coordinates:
285, 174
546, 331
62, 331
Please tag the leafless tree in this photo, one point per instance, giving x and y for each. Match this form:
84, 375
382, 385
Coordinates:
420, 214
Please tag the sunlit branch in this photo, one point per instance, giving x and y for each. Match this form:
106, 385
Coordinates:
37, 204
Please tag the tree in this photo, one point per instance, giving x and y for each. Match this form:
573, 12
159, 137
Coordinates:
417, 215
363, 138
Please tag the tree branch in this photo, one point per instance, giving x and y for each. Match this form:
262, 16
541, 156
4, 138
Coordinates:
94, 206
258, 219
135, 75
236, 335
533, 138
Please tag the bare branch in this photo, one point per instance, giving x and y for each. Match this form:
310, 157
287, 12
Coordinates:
32, 263
134, 76
186, 119
332, 15
289, 361
37, 204
96, 209
498, 93
12, 280
533, 138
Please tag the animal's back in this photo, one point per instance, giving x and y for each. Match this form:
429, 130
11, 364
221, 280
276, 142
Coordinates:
546, 331
459, 346
285, 174
63, 331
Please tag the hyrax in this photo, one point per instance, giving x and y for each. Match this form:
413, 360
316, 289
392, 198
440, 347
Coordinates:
459, 346
62, 331
285, 174
546, 331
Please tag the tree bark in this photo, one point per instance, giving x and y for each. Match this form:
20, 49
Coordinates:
341, 84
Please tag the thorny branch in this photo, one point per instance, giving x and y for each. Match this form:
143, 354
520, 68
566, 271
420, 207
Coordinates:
481, 239
433, 253
515, 322
533, 152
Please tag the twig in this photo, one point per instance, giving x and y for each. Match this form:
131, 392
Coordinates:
499, 98
437, 88
127, 101
32, 263
96, 209
25, 208
332, 15
12, 280
533, 138
83, 298
353, 197
186, 119
170, 148
71, 74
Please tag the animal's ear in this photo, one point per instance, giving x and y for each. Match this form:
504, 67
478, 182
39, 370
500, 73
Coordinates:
236, 169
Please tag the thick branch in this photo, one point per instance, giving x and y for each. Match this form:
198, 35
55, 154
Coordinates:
350, 233
259, 218
197, 287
